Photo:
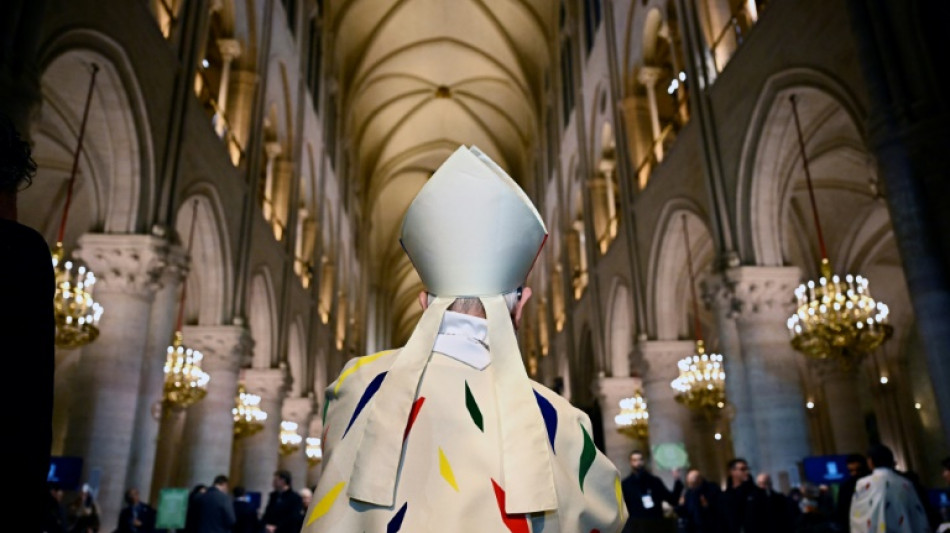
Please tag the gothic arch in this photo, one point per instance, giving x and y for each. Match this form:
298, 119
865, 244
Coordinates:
620, 328
262, 318
297, 358
209, 277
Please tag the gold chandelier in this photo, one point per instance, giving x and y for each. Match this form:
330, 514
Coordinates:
185, 382
248, 416
289, 438
634, 417
314, 451
836, 318
76, 312
701, 384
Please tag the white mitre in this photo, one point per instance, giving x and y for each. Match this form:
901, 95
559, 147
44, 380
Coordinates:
471, 231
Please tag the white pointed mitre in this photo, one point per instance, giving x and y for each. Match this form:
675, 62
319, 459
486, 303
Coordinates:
471, 230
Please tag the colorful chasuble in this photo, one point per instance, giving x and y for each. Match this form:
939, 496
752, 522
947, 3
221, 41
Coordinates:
886, 502
450, 477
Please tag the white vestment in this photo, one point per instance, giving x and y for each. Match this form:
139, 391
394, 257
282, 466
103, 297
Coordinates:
886, 502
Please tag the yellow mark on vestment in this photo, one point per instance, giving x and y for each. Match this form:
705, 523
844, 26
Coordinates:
446, 470
325, 503
619, 493
359, 362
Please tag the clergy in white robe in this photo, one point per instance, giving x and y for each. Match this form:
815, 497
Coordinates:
885, 501
448, 433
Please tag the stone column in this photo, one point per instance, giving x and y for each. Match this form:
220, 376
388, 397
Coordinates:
764, 299
261, 450
273, 151
281, 184
609, 392
230, 50
841, 397
209, 431
668, 419
240, 109
147, 418
648, 76
315, 430
297, 410
718, 295
106, 392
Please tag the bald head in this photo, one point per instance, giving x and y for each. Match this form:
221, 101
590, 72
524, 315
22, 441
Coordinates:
764, 481
693, 478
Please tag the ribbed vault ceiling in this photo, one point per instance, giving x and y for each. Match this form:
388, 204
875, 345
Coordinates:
418, 79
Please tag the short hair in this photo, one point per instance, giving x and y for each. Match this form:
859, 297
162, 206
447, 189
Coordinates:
733, 462
219, 479
471, 305
16, 162
881, 456
637, 452
285, 475
855, 458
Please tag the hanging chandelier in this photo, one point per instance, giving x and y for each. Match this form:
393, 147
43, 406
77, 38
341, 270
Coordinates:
185, 382
76, 312
289, 438
248, 416
634, 417
836, 318
701, 384
314, 451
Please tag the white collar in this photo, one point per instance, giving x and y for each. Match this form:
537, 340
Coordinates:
464, 338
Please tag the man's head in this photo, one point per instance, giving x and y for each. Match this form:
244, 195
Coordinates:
132, 496
880, 456
738, 471
306, 495
56, 491
693, 478
637, 461
17, 167
281, 480
221, 482
764, 481
514, 300
857, 465
946, 470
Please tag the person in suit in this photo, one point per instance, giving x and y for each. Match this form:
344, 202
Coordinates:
136, 516
214, 511
284, 506
743, 504
778, 506
246, 520
857, 469
698, 507
644, 494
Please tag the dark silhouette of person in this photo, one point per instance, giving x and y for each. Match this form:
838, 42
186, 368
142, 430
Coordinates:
744, 506
644, 494
191, 521
283, 506
28, 331
214, 511
698, 507
857, 468
136, 516
245, 514
54, 517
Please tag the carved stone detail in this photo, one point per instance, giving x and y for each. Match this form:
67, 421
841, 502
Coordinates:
225, 348
125, 263
268, 383
763, 291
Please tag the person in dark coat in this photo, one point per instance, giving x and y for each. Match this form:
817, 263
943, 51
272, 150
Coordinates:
191, 523
136, 516
743, 504
214, 511
246, 520
283, 506
699, 506
857, 469
779, 508
644, 495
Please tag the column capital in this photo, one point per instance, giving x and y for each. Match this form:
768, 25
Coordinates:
827, 370
660, 358
763, 291
225, 348
648, 76
230, 49
125, 263
268, 383
611, 390
298, 410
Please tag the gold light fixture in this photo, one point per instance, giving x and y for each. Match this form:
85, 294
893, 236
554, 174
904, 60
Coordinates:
314, 451
289, 438
185, 382
837, 318
701, 384
634, 417
248, 416
76, 312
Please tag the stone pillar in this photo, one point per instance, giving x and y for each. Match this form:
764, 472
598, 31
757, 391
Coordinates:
209, 431
648, 76
273, 151
66, 364
764, 300
230, 50
240, 109
718, 295
297, 410
617, 446
315, 430
106, 392
281, 184
841, 397
147, 418
261, 450
167, 457
668, 419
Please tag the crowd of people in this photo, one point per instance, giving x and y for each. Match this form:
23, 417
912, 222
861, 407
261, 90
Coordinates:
875, 497
211, 509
